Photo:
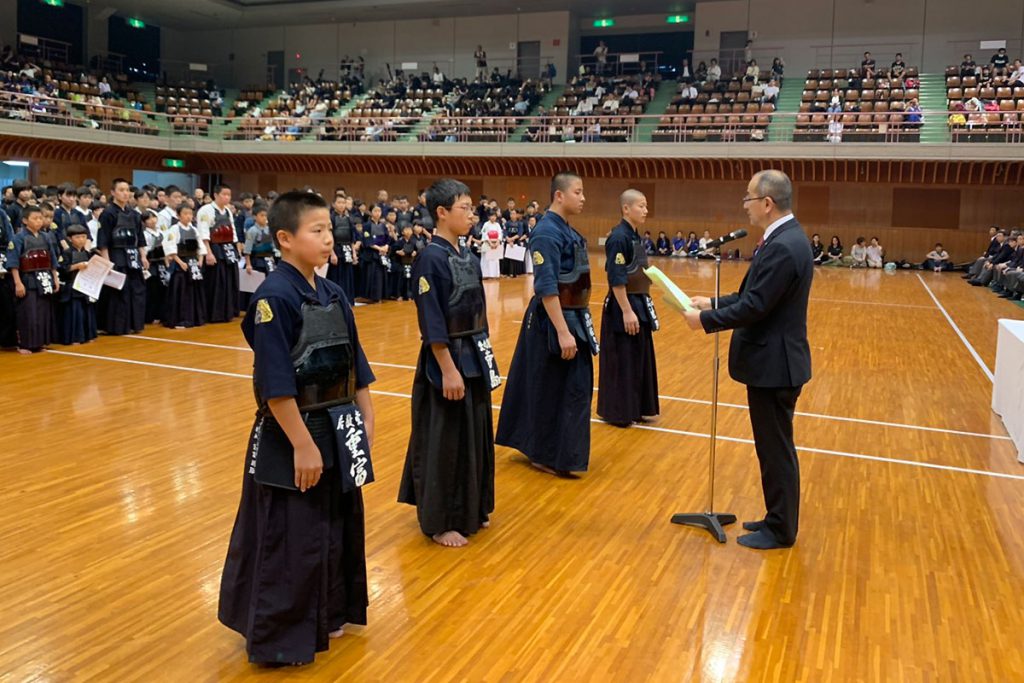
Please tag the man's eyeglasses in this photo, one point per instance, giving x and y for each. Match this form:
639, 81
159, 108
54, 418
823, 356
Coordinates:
764, 196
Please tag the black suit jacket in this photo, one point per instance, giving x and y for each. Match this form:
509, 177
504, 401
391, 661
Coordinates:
769, 347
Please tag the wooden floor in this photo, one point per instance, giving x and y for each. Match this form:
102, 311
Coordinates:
121, 468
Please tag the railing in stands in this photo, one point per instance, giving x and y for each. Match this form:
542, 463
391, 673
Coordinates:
622, 63
748, 126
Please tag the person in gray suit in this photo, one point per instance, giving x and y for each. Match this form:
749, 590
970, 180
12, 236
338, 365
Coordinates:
769, 351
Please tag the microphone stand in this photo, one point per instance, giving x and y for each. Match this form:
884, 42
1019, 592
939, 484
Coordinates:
712, 521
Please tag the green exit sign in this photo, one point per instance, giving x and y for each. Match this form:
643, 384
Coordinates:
174, 163
54, 3
136, 23
604, 23
678, 19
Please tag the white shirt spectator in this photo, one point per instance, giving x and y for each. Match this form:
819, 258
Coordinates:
714, 72
689, 92
770, 91
437, 78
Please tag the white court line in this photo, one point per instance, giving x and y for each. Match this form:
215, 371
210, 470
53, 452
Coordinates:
981, 363
858, 456
737, 406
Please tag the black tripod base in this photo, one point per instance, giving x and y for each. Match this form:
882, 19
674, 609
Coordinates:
712, 521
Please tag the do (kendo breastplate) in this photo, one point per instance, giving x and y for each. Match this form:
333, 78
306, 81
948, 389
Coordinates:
188, 244
574, 286
222, 231
35, 255
638, 282
342, 230
124, 236
323, 358
466, 315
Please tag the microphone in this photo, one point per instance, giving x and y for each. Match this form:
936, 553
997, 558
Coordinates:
734, 235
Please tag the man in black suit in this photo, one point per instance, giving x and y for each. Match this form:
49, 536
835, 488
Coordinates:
769, 350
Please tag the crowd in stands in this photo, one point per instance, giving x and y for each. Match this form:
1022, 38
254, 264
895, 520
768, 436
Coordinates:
710, 105
871, 103
986, 101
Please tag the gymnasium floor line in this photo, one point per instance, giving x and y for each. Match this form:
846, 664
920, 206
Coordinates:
737, 406
666, 430
813, 299
959, 333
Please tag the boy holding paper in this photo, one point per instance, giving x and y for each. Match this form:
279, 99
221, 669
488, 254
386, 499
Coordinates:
295, 571
77, 310
628, 381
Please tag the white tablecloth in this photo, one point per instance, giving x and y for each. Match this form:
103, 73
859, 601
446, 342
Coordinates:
1008, 388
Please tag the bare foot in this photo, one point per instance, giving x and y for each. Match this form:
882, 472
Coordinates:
486, 525
25, 352
337, 634
450, 539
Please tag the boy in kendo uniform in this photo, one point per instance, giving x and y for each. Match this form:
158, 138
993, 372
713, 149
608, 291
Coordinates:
77, 323
295, 571
32, 261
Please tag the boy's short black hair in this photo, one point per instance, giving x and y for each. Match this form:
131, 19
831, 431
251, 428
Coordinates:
118, 181
84, 190
562, 180
185, 207
29, 210
444, 192
287, 210
171, 189
77, 229
259, 207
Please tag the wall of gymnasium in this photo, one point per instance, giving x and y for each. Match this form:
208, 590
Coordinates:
450, 42
931, 34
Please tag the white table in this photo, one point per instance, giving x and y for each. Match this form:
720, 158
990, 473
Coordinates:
1008, 388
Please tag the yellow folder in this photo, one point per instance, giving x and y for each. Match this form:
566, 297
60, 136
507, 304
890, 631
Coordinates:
673, 296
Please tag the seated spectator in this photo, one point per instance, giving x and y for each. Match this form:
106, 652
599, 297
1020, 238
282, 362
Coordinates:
968, 67
437, 78
988, 270
898, 69
649, 244
753, 73
771, 92
995, 241
1009, 279
834, 253
678, 244
1000, 62
914, 117
817, 249
859, 254
1016, 79
685, 75
778, 68
876, 254
867, 67
1003, 272
701, 75
835, 129
692, 245
663, 246
937, 259
688, 94
714, 71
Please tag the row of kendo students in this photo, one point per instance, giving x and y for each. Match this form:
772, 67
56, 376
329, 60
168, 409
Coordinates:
309, 453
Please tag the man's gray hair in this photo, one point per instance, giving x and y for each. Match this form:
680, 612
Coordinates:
777, 185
